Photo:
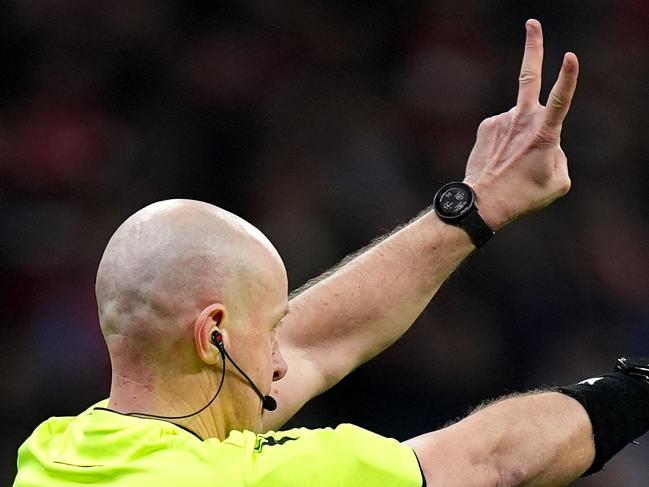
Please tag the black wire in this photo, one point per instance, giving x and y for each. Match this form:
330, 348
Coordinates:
157, 416
254, 386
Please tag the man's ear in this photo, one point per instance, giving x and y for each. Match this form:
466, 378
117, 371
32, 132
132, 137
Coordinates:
209, 320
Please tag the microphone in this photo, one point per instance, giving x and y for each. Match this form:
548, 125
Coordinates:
268, 402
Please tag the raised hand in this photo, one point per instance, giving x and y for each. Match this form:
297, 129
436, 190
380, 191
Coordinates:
517, 165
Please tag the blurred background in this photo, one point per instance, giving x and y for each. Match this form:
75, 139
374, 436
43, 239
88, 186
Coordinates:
325, 124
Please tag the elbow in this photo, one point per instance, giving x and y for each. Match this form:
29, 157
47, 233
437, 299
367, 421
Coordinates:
496, 470
469, 472
448, 457
512, 477
492, 475
508, 469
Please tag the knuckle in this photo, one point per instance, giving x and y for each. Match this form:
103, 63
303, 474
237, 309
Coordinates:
487, 124
519, 123
546, 138
565, 185
484, 125
527, 76
542, 143
532, 42
557, 102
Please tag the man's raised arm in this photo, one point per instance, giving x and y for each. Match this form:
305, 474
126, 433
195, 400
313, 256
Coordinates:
355, 311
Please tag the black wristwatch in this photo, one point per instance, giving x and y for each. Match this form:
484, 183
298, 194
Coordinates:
637, 367
455, 203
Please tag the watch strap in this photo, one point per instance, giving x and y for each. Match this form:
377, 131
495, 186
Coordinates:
476, 227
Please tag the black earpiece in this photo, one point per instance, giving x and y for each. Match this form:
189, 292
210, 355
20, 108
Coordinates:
217, 339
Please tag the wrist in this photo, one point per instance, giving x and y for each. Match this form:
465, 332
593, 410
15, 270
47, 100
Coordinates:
438, 233
455, 203
489, 209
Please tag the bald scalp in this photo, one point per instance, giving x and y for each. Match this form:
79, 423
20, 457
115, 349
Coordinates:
168, 261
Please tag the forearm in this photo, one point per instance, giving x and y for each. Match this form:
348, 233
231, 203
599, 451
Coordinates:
540, 439
370, 301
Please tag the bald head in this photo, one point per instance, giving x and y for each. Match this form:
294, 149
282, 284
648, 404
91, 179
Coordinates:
170, 260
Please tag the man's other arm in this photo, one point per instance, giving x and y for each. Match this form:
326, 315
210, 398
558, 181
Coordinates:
543, 439
354, 312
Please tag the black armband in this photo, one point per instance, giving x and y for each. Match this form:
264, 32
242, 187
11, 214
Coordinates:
618, 407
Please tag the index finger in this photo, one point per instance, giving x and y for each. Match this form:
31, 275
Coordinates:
560, 97
529, 80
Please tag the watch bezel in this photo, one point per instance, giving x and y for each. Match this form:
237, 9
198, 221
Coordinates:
471, 206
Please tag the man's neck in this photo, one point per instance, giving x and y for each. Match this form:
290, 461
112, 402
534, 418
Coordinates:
178, 406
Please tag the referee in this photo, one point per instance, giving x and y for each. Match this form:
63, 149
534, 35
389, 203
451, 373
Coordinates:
210, 358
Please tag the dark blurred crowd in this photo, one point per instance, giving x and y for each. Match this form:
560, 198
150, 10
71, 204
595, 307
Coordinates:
325, 124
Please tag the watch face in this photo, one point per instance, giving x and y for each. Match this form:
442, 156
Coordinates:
454, 200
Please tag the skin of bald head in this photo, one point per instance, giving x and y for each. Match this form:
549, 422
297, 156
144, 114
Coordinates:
171, 274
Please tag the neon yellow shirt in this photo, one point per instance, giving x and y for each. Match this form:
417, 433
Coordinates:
105, 448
